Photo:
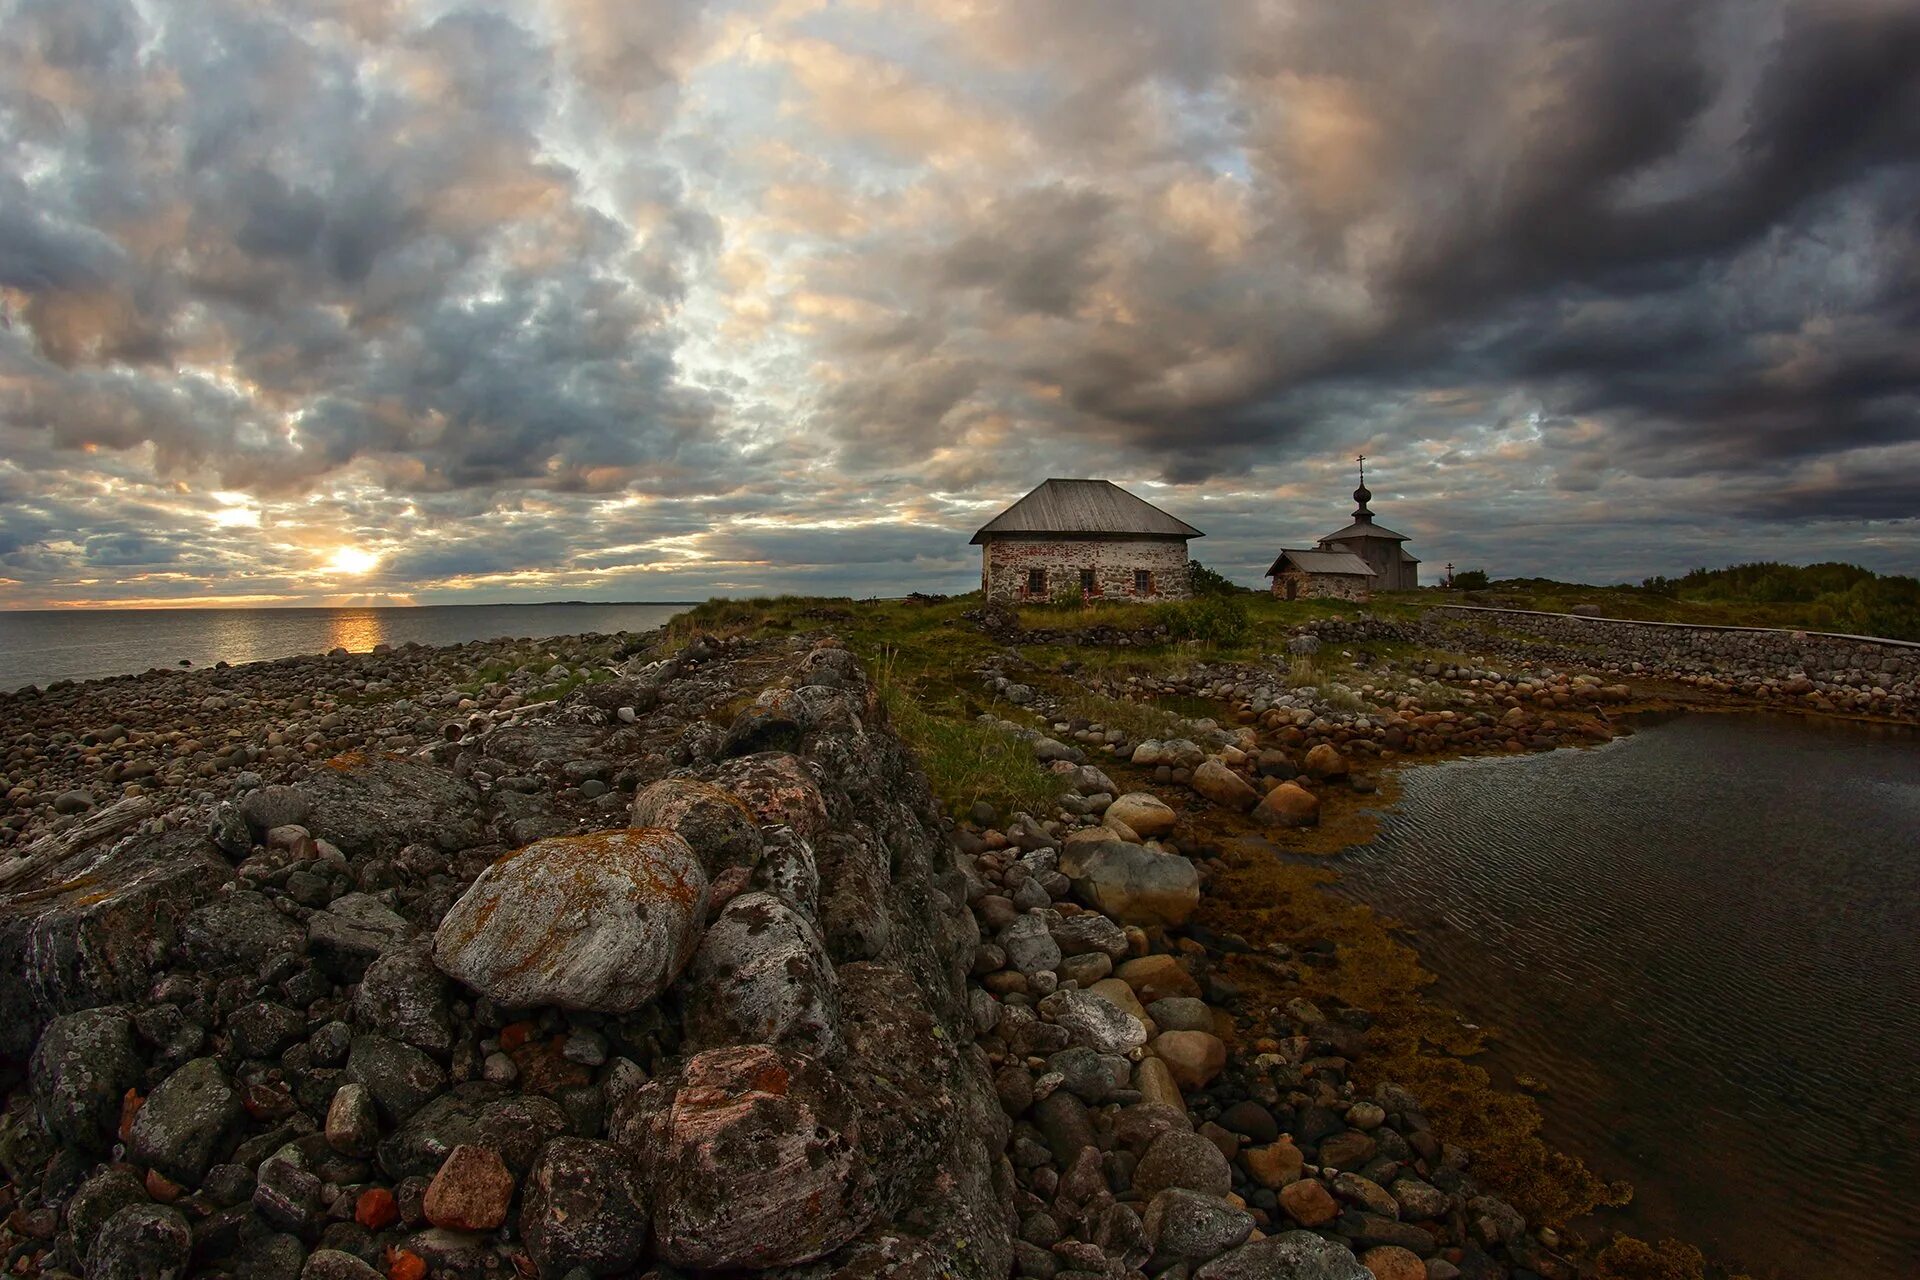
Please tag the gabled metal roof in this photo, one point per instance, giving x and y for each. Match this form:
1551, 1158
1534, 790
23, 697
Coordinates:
1364, 529
1321, 562
1085, 507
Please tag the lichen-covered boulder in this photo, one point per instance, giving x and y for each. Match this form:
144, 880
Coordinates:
184, 1125
778, 789
603, 921
1299, 1255
404, 996
90, 928
709, 818
82, 1067
762, 976
1131, 883
377, 805
788, 870
751, 1157
584, 1207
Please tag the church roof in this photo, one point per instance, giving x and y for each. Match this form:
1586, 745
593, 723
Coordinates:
1321, 562
1085, 507
1364, 529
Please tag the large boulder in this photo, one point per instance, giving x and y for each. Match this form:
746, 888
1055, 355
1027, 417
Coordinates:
89, 926
404, 996
1288, 805
584, 1207
1297, 1255
183, 1127
752, 1159
709, 818
1132, 883
1224, 787
778, 789
81, 1069
603, 921
1143, 811
761, 976
378, 805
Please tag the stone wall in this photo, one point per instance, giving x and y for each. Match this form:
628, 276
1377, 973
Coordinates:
1857, 662
1007, 562
672, 970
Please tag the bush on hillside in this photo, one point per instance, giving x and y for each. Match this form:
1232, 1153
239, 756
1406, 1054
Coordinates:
1470, 580
1216, 620
1207, 582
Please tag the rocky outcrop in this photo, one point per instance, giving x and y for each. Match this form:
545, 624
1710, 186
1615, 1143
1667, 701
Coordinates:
670, 972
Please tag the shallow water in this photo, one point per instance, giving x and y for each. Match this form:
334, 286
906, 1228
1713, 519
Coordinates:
42, 645
1705, 939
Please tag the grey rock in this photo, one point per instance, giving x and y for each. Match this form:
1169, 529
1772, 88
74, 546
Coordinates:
404, 996
185, 1122
277, 806
400, 1077
474, 1114
1181, 1013
97, 1199
1185, 1226
1131, 883
584, 1206
1095, 1021
141, 1242
602, 921
81, 1069
355, 930
241, 928
711, 819
1292, 1255
1029, 945
1184, 1160
264, 1029
336, 1264
761, 976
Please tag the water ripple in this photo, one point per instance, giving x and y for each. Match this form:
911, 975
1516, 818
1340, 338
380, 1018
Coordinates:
1706, 938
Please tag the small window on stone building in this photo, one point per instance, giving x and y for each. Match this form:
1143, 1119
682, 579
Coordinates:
1086, 582
1142, 582
1036, 582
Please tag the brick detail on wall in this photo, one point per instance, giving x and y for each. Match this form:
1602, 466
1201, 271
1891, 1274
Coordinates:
1005, 564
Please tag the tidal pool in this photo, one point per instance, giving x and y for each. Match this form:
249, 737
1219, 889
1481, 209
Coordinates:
1704, 939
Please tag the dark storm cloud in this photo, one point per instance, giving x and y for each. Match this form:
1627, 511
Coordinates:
593, 293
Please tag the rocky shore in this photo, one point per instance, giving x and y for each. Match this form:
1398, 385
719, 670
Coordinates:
681, 970
581, 957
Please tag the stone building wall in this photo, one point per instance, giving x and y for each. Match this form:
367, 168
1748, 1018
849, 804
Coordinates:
1006, 564
1322, 586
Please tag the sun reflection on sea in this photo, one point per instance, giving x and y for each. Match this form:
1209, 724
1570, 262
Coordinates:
357, 631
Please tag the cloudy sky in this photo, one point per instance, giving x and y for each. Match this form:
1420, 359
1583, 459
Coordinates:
313, 300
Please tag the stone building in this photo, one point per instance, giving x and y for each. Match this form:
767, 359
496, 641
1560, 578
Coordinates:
1335, 567
1085, 537
1339, 575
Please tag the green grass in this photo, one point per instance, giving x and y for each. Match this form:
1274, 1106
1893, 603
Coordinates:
1815, 597
1138, 720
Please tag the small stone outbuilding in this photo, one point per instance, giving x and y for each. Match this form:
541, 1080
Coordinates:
1329, 575
1089, 539
1360, 559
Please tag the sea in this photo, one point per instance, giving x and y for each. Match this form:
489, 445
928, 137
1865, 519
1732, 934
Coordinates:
1704, 939
38, 646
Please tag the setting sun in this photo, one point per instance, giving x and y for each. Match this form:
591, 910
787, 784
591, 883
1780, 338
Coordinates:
353, 561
